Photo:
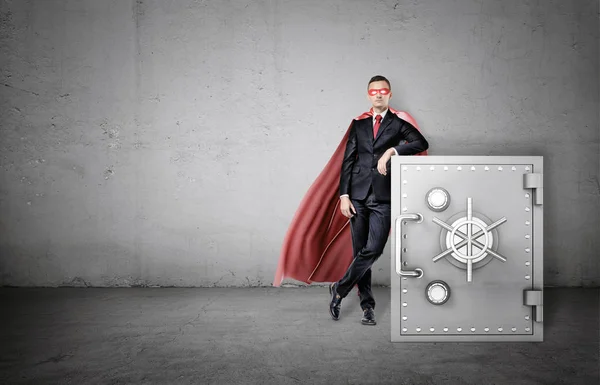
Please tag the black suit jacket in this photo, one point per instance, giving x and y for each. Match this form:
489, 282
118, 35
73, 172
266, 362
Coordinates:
359, 166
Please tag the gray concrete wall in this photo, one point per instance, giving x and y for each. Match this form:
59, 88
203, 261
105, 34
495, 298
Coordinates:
169, 143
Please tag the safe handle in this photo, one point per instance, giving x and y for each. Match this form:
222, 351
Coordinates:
416, 273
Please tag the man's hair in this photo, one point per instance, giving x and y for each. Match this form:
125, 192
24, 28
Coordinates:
379, 78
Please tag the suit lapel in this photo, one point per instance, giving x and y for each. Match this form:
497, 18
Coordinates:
384, 124
370, 130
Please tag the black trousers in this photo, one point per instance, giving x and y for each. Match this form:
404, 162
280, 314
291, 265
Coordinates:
370, 228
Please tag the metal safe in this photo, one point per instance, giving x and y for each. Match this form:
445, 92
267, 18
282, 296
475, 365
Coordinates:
467, 248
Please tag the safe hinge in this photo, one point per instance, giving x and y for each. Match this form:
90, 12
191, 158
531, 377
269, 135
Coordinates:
535, 181
535, 298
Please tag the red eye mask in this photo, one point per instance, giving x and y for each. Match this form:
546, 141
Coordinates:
382, 91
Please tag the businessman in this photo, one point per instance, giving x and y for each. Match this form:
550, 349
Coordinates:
365, 190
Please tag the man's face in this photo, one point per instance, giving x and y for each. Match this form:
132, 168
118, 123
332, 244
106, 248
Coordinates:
379, 94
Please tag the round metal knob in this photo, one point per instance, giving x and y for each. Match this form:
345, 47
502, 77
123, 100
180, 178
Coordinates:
438, 199
437, 292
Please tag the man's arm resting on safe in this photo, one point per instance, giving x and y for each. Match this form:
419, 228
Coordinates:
416, 142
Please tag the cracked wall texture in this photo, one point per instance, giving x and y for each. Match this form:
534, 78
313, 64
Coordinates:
169, 143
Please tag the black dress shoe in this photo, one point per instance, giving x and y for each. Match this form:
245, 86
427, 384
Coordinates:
335, 303
368, 317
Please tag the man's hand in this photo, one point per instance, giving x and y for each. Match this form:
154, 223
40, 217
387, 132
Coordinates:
346, 207
381, 165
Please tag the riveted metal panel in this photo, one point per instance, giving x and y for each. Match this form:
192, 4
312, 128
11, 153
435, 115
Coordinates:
468, 232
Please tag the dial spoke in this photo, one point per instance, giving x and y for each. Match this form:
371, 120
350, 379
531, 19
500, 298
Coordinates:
469, 209
469, 270
496, 224
489, 228
446, 252
448, 227
492, 252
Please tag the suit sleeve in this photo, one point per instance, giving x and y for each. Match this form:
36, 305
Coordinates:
415, 141
348, 161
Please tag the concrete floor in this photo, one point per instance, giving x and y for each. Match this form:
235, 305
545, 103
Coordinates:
268, 336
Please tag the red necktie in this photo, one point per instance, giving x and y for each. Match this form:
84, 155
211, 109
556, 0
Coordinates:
376, 126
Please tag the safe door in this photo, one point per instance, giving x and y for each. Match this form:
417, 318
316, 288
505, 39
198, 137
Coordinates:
467, 248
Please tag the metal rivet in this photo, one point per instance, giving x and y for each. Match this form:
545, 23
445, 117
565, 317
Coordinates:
404, 278
404, 168
446, 329
418, 168
459, 329
513, 168
527, 209
473, 329
404, 181
459, 168
404, 236
404, 291
404, 195
499, 168
514, 329
527, 317
472, 168
527, 236
432, 168
527, 168
500, 329
527, 250
486, 329
445, 168
418, 330
404, 209
527, 329
527, 195
527, 277
432, 329
527, 263
404, 304
527, 223
404, 318
404, 330
404, 249
486, 168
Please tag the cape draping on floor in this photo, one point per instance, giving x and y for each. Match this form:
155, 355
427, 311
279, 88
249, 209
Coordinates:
318, 244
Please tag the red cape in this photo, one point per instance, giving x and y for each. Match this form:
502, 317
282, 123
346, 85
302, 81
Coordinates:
318, 244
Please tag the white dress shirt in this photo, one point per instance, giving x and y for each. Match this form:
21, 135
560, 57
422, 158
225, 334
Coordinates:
382, 116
